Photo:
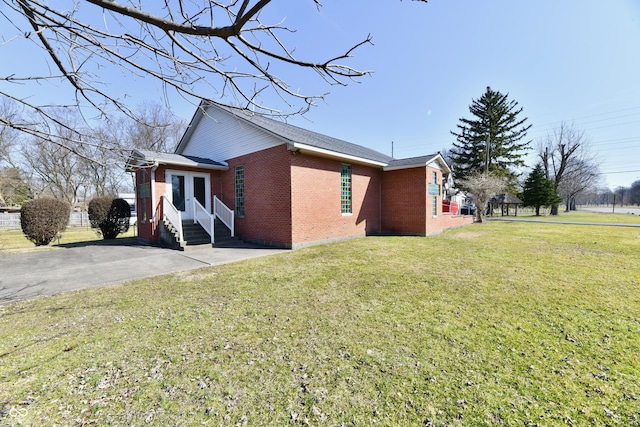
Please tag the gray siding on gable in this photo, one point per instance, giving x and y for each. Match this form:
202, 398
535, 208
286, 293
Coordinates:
220, 136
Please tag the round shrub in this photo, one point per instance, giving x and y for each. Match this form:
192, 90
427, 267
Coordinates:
42, 219
110, 215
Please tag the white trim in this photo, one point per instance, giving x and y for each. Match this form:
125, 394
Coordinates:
396, 168
152, 184
188, 190
192, 164
145, 158
441, 165
323, 151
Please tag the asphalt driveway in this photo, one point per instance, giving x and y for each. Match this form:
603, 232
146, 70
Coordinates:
26, 276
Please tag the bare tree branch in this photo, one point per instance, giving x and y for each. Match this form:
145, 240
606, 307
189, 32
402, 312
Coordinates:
567, 161
219, 51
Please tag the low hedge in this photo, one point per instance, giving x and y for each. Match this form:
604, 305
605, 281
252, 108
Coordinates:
42, 219
110, 215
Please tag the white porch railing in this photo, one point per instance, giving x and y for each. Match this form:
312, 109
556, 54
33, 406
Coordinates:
225, 214
204, 218
173, 215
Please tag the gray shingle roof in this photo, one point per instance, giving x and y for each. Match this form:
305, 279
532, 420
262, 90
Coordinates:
506, 198
139, 157
412, 161
295, 134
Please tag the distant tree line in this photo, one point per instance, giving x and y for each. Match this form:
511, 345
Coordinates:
602, 196
77, 161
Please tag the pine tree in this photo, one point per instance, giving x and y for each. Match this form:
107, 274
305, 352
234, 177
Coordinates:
539, 190
492, 140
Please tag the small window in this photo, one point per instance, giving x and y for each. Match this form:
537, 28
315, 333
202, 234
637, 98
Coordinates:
144, 209
434, 206
434, 177
345, 189
240, 191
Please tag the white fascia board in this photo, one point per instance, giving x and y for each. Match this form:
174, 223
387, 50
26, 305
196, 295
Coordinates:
193, 164
443, 164
395, 168
138, 160
329, 153
438, 160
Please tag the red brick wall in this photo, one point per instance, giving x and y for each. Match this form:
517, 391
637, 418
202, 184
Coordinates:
404, 201
316, 197
267, 175
144, 208
294, 199
406, 206
147, 228
440, 221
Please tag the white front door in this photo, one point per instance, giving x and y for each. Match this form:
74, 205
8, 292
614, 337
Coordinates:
185, 187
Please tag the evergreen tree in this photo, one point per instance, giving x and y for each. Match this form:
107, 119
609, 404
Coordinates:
492, 140
539, 190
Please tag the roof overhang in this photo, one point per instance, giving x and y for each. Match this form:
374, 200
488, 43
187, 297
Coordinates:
141, 159
420, 162
305, 148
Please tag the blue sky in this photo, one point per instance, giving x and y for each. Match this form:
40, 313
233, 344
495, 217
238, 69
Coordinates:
571, 61
576, 61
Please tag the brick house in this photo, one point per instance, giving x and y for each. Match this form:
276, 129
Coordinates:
276, 184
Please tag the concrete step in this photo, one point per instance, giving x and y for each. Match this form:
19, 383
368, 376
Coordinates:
195, 237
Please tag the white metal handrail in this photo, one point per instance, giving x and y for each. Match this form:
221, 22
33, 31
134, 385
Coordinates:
225, 214
174, 216
204, 218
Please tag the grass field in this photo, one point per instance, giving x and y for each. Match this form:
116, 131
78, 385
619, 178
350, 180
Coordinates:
585, 216
13, 240
505, 323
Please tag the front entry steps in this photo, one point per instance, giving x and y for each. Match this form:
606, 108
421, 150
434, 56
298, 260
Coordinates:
195, 237
223, 236
194, 234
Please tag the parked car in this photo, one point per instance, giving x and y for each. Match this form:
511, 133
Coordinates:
468, 209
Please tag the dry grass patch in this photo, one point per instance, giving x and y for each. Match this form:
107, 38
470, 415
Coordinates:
14, 241
586, 216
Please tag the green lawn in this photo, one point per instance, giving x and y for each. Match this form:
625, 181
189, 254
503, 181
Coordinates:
584, 216
13, 240
502, 323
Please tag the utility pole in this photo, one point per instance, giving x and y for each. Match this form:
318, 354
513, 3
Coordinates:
391, 148
486, 155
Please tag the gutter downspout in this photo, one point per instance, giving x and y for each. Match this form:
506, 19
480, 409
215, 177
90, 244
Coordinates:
152, 184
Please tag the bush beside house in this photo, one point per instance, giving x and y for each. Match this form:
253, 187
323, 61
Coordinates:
42, 219
109, 214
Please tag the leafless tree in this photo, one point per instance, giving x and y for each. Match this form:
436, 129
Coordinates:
634, 193
155, 129
482, 187
8, 135
14, 188
220, 51
580, 175
103, 174
567, 160
56, 167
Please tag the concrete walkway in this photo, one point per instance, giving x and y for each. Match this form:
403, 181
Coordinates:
26, 276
